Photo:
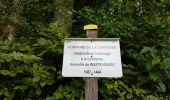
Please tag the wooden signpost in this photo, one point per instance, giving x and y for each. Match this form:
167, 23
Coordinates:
91, 83
91, 57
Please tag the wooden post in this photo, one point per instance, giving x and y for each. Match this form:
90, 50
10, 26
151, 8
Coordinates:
91, 83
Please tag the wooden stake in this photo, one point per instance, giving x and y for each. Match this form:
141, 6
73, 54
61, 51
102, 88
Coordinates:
91, 84
91, 88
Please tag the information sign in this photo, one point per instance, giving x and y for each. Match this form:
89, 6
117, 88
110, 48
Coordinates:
92, 57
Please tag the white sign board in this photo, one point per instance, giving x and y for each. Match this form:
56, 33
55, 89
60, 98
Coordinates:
89, 57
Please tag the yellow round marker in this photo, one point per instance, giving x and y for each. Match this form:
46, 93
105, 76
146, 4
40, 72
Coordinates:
90, 26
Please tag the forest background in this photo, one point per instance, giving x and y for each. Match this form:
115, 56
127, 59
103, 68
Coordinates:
31, 47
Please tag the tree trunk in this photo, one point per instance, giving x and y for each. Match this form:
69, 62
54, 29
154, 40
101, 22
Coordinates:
2, 24
8, 31
63, 14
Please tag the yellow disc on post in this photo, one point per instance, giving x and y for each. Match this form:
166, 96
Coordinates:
90, 27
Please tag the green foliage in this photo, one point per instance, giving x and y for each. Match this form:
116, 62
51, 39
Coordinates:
143, 29
27, 67
71, 91
23, 73
154, 65
121, 91
30, 66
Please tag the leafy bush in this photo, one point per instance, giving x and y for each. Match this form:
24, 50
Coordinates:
143, 30
24, 69
30, 66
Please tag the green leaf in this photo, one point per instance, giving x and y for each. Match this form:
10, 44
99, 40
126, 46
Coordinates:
42, 84
155, 61
27, 81
1, 92
153, 52
162, 86
6, 93
154, 76
167, 63
109, 86
145, 49
129, 96
22, 87
72, 99
142, 80
5, 72
81, 98
13, 74
58, 95
149, 66
42, 41
151, 97
129, 71
50, 98
36, 79
38, 91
